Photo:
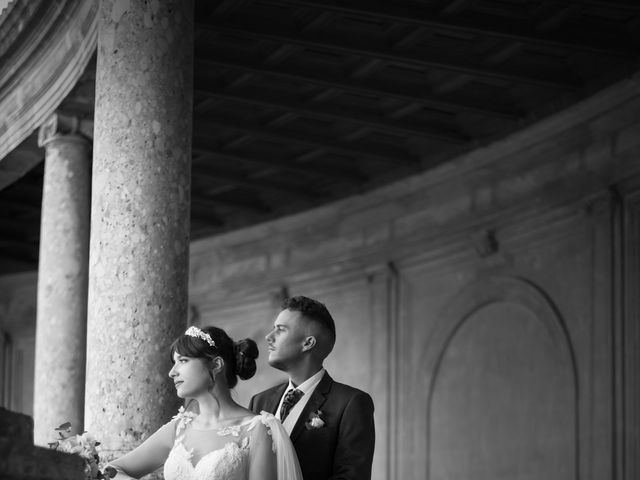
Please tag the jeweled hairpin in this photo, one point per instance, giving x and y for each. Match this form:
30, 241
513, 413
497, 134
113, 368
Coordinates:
196, 332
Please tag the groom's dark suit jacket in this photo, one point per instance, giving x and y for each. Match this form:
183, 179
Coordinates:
343, 447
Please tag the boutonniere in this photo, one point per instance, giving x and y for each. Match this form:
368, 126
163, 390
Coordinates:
314, 421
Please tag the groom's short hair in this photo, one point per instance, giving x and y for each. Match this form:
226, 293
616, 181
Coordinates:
312, 310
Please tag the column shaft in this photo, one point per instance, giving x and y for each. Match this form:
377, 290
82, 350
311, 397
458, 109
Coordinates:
62, 287
139, 253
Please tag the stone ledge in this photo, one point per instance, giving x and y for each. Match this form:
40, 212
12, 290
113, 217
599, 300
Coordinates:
37, 463
16, 427
21, 460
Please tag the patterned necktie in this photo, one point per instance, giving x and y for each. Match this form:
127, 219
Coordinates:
290, 399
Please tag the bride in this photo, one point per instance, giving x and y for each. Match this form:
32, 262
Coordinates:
224, 441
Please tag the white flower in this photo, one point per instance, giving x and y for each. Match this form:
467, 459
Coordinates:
185, 416
84, 445
316, 422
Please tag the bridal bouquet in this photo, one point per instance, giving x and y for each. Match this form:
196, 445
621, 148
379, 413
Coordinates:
85, 446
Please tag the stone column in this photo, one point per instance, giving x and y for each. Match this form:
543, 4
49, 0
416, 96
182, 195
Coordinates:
139, 248
62, 281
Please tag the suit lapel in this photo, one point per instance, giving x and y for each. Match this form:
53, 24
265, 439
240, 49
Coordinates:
273, 398
318, 397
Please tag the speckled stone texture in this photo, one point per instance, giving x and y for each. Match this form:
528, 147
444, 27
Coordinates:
62, 287
139, 249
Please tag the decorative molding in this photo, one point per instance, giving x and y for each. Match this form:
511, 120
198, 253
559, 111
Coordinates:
58, 125
36, 84
485, 291
485, 243
16, 18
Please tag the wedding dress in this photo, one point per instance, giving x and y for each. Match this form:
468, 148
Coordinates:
230, 453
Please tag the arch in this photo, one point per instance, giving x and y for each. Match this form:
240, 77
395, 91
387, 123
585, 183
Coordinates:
476, 310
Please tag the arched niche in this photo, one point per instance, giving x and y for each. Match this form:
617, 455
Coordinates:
502, 387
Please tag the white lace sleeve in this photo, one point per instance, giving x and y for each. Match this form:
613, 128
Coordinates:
288, 467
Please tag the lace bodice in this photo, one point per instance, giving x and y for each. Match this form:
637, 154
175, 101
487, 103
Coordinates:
255, 447
228, 462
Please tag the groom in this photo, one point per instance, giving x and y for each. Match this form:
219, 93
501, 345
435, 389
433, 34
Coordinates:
330, 424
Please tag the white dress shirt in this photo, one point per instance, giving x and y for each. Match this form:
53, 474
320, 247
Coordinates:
307, 387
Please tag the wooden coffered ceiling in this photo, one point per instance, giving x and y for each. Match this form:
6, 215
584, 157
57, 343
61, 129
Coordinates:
299, 103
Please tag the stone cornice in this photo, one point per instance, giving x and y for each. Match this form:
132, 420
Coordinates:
49, 54
16, 20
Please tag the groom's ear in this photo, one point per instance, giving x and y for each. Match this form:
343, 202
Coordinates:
309, 343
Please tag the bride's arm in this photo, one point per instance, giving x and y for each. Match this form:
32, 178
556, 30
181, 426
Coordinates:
148, 456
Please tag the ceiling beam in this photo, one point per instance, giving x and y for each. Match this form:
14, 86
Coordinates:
205, 145
227, 7
630, 5
377, 153
260, 184
210, 202
324, 111
495, 27
363, 47
358, 87
205, 215
203, 221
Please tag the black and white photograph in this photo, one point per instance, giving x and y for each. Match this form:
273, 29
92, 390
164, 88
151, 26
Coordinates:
320, 239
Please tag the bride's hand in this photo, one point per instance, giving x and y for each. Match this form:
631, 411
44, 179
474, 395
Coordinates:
109, 472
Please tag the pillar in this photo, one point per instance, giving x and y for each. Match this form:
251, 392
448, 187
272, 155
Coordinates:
62, 281
139, 247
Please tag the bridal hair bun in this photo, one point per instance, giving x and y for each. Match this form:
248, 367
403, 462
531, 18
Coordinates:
246, 352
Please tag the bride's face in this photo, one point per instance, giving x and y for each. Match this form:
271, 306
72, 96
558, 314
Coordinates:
190, 376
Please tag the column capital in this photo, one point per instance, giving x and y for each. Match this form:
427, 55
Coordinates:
71, 127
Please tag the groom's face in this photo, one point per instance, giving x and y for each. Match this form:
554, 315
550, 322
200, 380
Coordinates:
286, 339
